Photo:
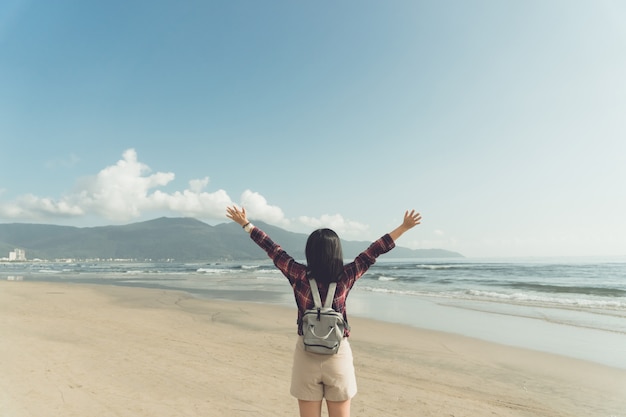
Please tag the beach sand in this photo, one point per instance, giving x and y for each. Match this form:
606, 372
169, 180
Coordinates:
95, 350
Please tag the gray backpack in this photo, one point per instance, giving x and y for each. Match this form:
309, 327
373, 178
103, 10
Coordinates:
322, 326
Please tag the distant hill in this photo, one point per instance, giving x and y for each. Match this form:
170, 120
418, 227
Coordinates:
180, 239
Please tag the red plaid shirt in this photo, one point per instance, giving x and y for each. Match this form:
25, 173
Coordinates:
296, 273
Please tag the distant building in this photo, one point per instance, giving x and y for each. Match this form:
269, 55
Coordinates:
17, 255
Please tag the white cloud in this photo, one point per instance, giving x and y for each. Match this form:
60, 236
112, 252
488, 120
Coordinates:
197, 186
129, 190
257, 207
122, 192
189, 203
32, 207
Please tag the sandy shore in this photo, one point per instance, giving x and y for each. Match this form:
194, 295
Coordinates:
88, 350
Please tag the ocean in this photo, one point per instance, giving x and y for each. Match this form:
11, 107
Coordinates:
571, 307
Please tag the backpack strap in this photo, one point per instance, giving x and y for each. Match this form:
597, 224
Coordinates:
316, 293
328, 303
331, 295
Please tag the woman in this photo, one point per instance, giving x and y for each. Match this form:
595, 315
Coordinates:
315, 376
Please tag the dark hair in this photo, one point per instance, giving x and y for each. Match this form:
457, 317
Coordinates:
324, 256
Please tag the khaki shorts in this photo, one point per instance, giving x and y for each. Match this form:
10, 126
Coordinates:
315, 376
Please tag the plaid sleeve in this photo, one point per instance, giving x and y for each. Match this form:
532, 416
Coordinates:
283, 261
367, 258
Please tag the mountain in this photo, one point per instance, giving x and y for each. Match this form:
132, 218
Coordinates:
181, 239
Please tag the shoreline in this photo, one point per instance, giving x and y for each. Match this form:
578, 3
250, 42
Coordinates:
83, 349
546, 329
576, 333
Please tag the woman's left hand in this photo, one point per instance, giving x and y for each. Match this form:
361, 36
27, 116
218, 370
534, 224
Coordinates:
238, 215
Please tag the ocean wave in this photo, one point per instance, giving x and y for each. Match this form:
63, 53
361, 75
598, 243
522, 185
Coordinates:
137, 272
431, 267
519, 297
214, 271
385, 278
543, 300
551, 288
393, 291
267, 271
434, 267
276, 278
393, 276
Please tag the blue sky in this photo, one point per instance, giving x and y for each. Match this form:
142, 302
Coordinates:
503, 123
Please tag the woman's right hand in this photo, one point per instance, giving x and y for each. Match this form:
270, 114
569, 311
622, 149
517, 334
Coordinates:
411, 219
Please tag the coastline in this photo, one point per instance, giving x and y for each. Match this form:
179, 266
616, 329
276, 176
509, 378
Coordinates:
566, 332
83, 349
590, 333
